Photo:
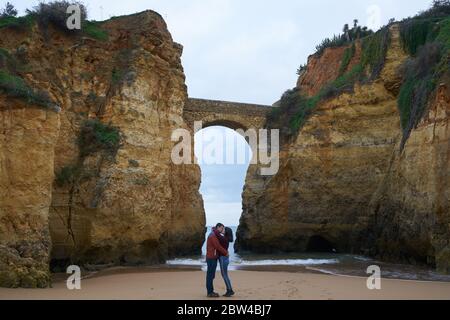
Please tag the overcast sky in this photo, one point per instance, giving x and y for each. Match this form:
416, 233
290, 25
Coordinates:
247, 51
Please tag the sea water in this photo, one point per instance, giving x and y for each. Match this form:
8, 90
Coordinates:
327, 263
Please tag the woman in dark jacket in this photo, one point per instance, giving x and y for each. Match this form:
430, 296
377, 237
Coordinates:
225, 239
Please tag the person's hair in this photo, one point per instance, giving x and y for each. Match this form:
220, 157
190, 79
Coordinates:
219, 225
229, 234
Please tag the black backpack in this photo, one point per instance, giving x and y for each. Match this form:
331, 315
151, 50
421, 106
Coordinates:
229, 234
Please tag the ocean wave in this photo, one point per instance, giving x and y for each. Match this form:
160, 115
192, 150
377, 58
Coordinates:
267, 262
289, 262
186, 262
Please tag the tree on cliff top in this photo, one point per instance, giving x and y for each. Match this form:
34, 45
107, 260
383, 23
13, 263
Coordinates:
347, 37
8, 11
439, 8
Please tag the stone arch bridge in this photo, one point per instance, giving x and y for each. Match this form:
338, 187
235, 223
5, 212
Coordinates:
232, 115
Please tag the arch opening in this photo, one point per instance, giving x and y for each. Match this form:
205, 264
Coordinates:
223, 178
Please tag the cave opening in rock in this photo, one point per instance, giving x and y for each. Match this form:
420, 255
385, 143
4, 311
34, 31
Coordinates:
224, 156
319, 244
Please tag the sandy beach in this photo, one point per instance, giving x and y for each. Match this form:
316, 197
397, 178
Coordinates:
249, 285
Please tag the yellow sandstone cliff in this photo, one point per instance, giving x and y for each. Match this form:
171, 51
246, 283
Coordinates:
131, 206
344, 182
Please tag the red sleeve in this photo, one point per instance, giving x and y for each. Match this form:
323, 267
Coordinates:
218, 247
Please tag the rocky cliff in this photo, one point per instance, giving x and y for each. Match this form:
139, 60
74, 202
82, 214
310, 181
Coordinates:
409, 214
65, 197
345, 184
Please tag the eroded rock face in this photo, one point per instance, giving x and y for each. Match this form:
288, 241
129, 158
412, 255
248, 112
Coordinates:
410, 215
344, 183
327, 176
133, 206
28, 136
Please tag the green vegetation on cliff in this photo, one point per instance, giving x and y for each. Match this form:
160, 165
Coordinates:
427, 40
19, 23
54, 13
12, 66
8, 18
425, 37
416, 32
374, 52
349, 53
94, 30
295, 107
96, 136
67, 175
14, 86
349, 36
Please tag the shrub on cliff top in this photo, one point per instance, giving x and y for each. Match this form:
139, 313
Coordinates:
439, 8
8, 11
55, 12
19, 23
347, 37
96, 136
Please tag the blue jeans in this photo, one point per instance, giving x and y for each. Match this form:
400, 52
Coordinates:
210, 274
224, 262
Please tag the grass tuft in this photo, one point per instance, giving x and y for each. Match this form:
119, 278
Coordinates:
24, 23
93, 29
16, 87
96, 136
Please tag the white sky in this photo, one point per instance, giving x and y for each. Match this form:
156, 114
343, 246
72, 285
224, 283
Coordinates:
222, 185
247, 51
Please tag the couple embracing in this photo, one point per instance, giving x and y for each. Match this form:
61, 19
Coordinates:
217, 252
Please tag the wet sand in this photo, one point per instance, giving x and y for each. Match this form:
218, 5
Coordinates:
188, 284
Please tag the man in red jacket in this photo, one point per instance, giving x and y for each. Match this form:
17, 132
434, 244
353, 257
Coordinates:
213, 248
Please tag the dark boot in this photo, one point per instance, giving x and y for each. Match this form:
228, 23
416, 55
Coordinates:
213, 295
229, 294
